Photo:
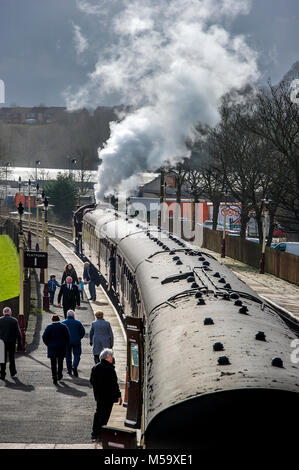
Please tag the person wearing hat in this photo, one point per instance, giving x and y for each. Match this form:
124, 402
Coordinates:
56, 337
77, 332
100, 335
10, 334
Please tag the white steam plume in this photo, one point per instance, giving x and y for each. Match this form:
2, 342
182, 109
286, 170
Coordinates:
172, 60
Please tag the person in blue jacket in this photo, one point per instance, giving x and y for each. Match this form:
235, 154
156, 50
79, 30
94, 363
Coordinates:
77, 332
56, 337
52, 284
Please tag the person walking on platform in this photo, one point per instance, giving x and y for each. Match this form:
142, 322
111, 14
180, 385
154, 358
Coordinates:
92, 278
100, 335
69, 270
81, 287
10, 334
52, 284
56, 337
70, 296
77, 332
106, 391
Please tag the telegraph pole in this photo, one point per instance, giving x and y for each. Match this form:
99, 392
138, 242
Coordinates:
46, 303
21, 318
162, 195
29, 214
266, 202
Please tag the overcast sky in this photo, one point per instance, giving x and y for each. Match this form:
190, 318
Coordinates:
49, 46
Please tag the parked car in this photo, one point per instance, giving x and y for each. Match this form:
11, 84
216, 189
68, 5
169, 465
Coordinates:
288, 247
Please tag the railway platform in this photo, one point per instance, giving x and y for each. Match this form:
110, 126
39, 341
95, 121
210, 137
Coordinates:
36, 414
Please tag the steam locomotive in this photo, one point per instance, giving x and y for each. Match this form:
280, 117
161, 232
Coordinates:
209, 362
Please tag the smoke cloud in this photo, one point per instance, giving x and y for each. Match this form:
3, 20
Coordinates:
172, 61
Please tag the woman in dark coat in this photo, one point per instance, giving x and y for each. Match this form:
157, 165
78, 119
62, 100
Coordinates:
56, 337
69, 270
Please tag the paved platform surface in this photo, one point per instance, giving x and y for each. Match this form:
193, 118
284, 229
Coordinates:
34, 413
271, 288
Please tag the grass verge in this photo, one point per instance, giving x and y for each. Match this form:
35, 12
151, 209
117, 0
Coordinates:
9, 269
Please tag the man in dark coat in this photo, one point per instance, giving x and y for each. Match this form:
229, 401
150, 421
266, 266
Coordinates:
106, 391
56, 337
10, 334
77, 332
70, 296
92, 277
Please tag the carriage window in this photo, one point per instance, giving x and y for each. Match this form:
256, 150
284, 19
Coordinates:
134, 366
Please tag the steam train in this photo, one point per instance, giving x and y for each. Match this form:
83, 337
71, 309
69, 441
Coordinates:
209, 362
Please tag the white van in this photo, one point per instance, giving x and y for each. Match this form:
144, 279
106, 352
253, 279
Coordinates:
288, 247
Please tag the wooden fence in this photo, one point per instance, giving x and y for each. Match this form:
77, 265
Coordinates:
280, 264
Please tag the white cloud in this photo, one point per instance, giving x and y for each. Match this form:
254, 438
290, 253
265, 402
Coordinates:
81, 43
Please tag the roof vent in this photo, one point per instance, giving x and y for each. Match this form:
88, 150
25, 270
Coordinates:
190, 279
277, 362
243, 310
238, 303
234, 295
260, 336
175, 258
179, 262
208, 321
198, 295
216, 274
172, 252
206, 263
222, 280
218, 346
201, 258
226, 296
201, 302
223, 361
194, 285
228, 286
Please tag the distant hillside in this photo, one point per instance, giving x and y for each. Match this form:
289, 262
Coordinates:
53, 135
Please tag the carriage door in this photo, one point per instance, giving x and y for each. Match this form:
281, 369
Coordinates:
134, 328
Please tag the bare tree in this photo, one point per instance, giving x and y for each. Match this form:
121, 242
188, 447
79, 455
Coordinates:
272, 116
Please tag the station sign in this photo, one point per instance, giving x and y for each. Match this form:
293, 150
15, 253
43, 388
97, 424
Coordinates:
35, 259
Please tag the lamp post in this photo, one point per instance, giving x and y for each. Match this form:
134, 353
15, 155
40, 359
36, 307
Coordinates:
71, 163
265, 203
223, 247
37, 162
29, 214
37, 218
46, 303
20, 185
21, 318
42, 273
162, 196
7, 164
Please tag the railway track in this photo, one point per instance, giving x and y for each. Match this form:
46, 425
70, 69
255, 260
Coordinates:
51, 232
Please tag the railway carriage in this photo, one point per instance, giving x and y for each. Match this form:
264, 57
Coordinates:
209, 362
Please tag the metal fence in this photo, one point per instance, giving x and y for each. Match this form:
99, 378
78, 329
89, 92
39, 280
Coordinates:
280, 264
